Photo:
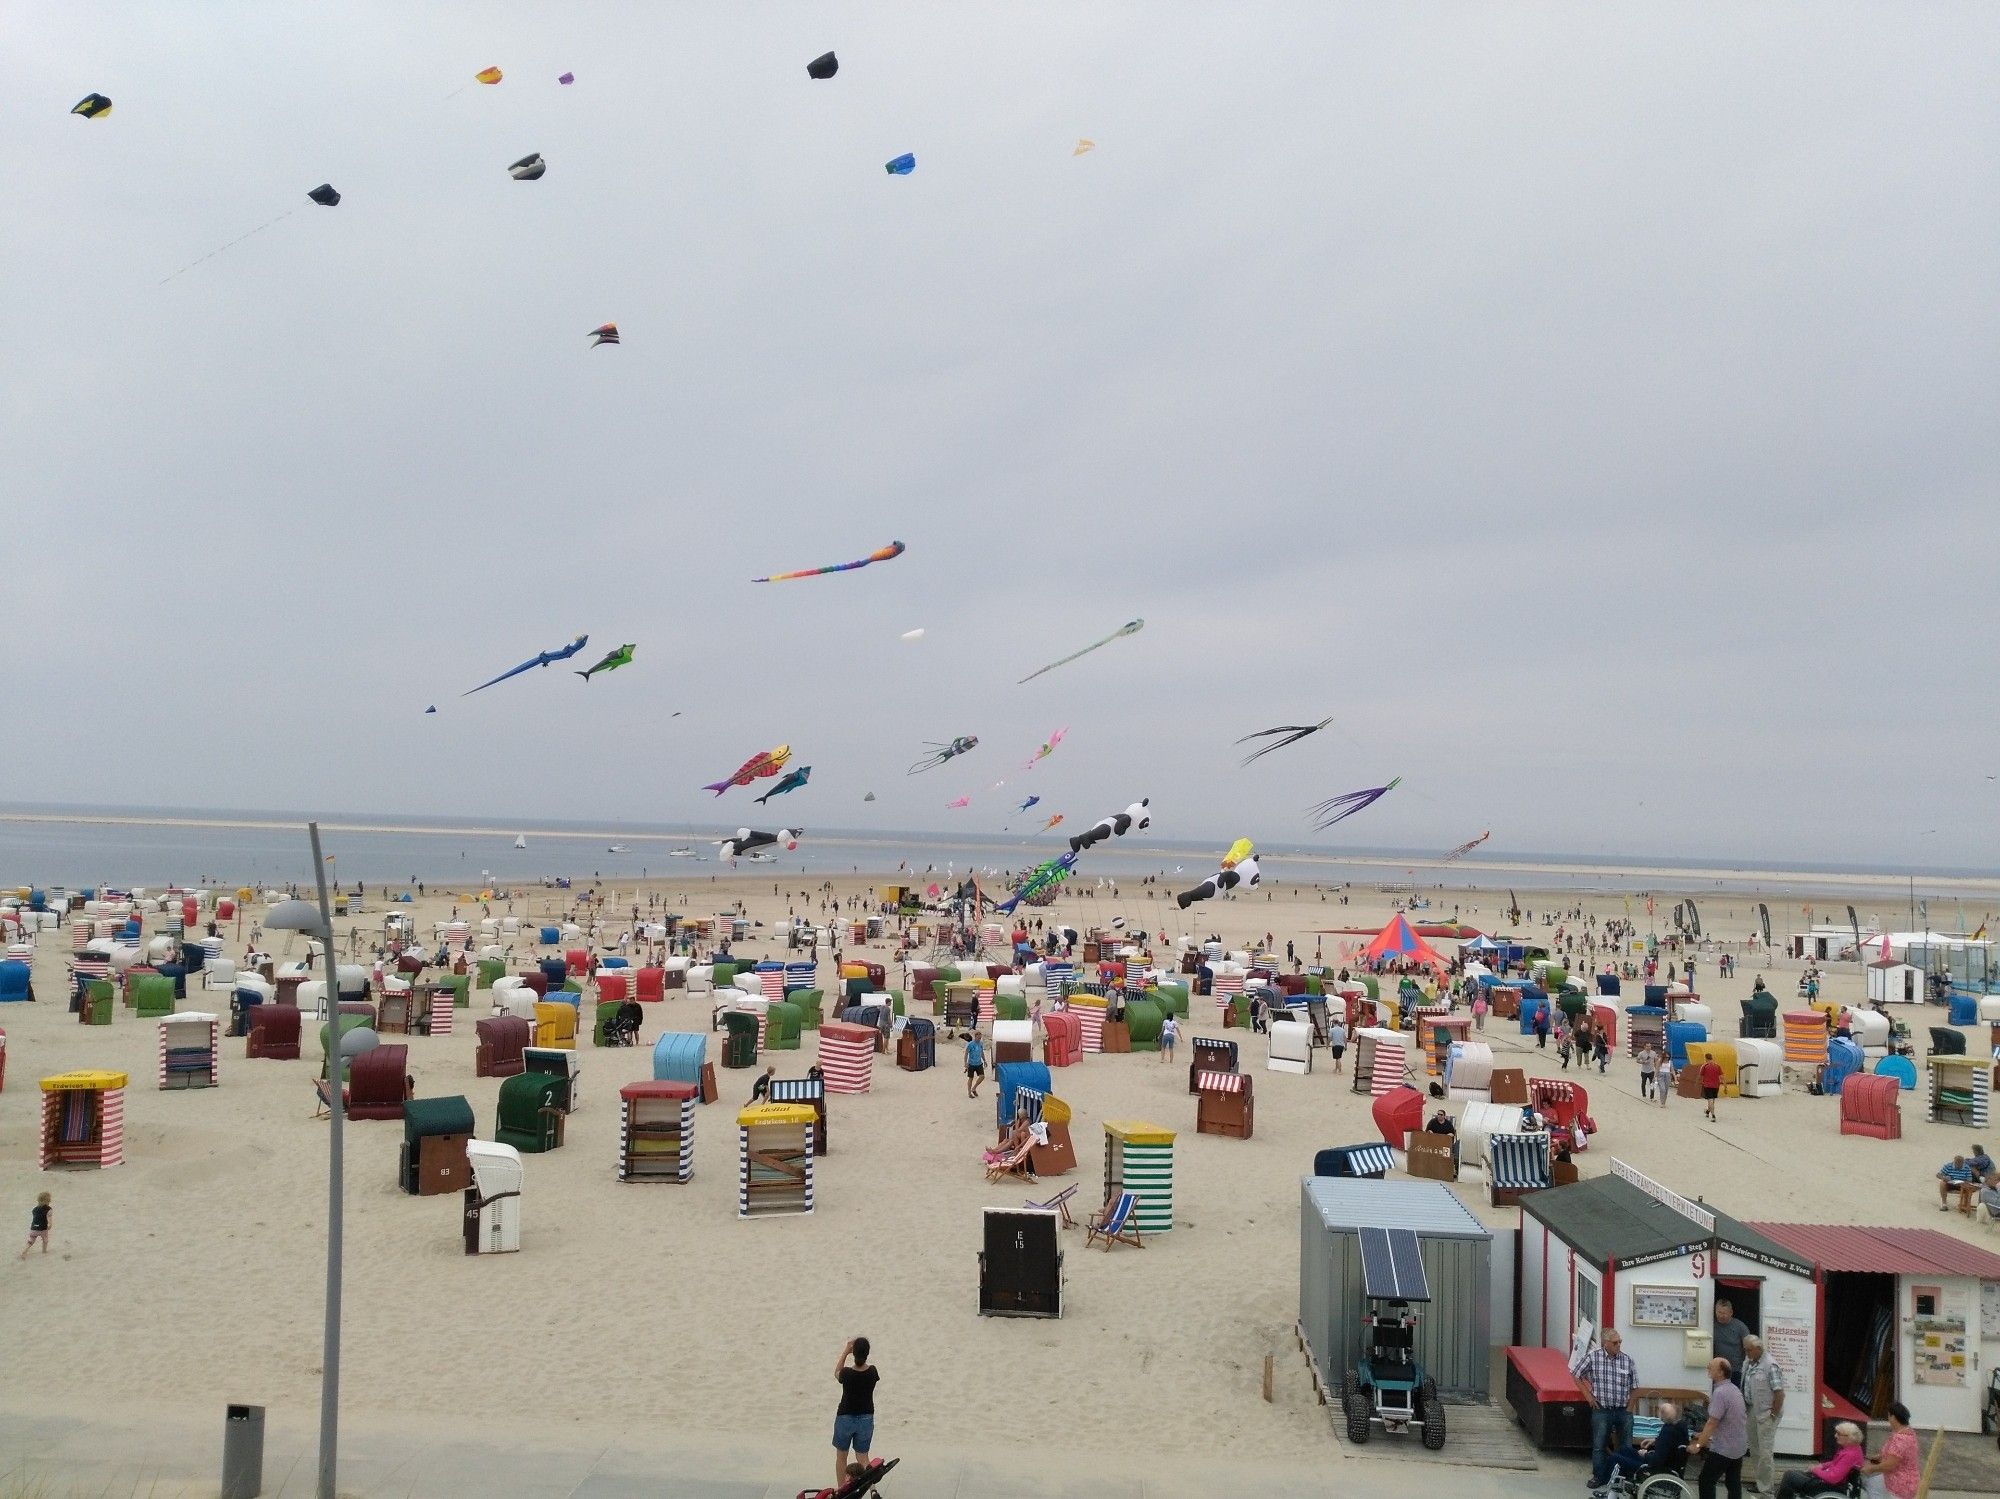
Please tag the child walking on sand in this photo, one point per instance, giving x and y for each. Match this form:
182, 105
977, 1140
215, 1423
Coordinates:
975, 1065
38, 1224
1169, 1033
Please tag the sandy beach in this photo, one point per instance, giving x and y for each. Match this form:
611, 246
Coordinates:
192, 1274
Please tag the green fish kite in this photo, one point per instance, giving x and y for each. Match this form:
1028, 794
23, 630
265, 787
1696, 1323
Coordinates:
620, 657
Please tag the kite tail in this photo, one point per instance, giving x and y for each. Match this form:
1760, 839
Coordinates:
584, 674
718, 787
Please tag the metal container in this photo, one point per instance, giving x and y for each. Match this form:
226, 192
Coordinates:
1454, 1340
243, 1452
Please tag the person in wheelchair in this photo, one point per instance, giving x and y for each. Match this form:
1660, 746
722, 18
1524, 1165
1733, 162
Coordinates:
1833, 1474
1664, 1452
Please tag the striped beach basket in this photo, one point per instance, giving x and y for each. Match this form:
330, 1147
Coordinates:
799, 976
80, 933
772, 980
1389, 1064
1227, 987
188, 1047
774, 1160
1089, 1012
847, 1056
83, 1119
443, 1002
1139, 1157
1805, 1038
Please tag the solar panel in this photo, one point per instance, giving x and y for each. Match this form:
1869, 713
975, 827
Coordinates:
1392, 1265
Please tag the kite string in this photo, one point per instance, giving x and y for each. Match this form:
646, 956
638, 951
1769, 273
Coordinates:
236, 241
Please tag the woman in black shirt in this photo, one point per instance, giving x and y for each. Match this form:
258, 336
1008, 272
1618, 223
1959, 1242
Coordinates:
854, 1426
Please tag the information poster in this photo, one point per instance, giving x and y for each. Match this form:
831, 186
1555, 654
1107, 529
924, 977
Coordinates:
1989, 1311
1938, 1329
1788, 1344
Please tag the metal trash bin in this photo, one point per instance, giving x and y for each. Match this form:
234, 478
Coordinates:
243, 1452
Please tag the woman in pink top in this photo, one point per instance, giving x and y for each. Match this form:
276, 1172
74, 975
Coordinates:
1899, 1463
1848, 1456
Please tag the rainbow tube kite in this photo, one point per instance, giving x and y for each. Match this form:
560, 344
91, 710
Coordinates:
881, 554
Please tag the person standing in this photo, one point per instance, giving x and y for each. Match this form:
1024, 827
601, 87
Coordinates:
975, 1065
1663, 1082
1336, 1041
1649, 1063
854, 1425
1725, 1439
1608, 1377
1170, 1031
1479, 1009
1764, 1395
1542, 1028
39, 1218
1730, 1337
1711, 1086
1601, 1041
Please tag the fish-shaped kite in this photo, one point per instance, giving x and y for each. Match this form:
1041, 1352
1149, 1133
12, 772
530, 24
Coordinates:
1239, 868
1040, 883
1293, 733
1048, 748
1468, 846
1027, 804
943, 752
747, 839
604, 333
541, 660
1131, 627
881, 554
620, 657
92, 107
1334, 808
1050, 823
1139, 815
791, 782
765, 763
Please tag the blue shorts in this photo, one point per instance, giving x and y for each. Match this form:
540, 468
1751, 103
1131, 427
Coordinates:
857, 1432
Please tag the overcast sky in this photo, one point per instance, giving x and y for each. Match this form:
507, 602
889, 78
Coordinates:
1590, 407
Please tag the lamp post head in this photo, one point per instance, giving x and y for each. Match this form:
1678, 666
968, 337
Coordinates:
295, 916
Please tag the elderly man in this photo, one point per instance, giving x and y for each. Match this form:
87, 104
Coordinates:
1989, 1195
1731, 1332
1956, 1176
1724, 1440
1608, 1378
1665, 1452
1764, 1396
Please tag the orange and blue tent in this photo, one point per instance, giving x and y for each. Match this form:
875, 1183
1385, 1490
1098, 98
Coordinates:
1396, 940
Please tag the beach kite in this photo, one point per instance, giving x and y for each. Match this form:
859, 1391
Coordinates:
916, 634
748, 839
963, 801
325, 195
1048, 748
1139, 815
1038, 888
1131, 627
1083, 146
92, 107
487, 76
1335, 808
881, 554
528, 169
791, 782
620, 657
566, 79
1050, 823
964, 744
902, 166
1027, 804
1239, 868
432, 708
604, 333
1465, 848
1293, 733
759, 766
869, 797
542, 660
823, 66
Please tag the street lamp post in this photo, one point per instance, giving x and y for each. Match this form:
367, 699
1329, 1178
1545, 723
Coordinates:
317, 921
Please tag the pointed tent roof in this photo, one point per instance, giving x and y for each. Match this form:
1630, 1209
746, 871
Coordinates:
1396, 940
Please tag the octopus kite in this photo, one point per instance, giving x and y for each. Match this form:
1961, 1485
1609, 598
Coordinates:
1293, 733
888, 553
940, 753
1465, 848
1333, 809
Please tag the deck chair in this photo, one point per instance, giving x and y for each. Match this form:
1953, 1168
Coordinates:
1014, 1164
1058, 1204
1117, 1222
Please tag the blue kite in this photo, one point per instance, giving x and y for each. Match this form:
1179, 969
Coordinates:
542, 660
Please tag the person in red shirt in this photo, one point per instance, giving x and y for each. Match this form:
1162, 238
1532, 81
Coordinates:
1711, 1082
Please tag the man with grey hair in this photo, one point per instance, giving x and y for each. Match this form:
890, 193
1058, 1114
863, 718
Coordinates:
1764, 1395
1725, 1440
1664, 1452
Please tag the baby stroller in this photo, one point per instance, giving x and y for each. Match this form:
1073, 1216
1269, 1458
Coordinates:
862, 1487
623, 1028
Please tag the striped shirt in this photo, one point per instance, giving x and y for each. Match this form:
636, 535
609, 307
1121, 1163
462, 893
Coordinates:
1611, 1377
1955, 1172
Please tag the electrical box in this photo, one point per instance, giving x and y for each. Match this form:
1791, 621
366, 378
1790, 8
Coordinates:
1697, 1348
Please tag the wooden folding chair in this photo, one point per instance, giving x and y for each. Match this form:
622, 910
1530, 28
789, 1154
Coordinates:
1058, 1203
1117, 1222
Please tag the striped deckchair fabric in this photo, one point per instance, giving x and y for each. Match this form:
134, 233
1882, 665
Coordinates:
1517, 1163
